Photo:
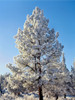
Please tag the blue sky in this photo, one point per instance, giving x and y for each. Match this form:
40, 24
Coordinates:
13, 15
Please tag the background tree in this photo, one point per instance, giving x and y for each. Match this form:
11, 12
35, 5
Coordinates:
16, 81
73, 77
65, 83
3, 83
39, 50
61, 83
63, 79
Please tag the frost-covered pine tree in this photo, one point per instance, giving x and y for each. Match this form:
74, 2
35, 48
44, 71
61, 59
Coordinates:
64, 74
73, 76
59, 84
65, 85
39, 51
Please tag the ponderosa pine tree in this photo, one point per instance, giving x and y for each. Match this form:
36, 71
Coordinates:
63, 80
73, 76
60, 83
39, 50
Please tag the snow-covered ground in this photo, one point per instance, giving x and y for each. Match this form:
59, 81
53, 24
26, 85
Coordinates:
7, 96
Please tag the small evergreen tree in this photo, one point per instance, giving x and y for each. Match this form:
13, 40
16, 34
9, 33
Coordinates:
60, 84
73, 77
63, 80
3, 83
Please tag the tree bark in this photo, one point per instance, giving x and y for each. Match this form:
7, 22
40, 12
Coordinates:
64, 95
56, 96
40, 93
39, 66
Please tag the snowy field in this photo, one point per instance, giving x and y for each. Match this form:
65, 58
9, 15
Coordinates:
7, 96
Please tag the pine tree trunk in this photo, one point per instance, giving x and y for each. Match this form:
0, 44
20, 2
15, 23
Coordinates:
56, 96
40, 87
64, 95
40, 93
